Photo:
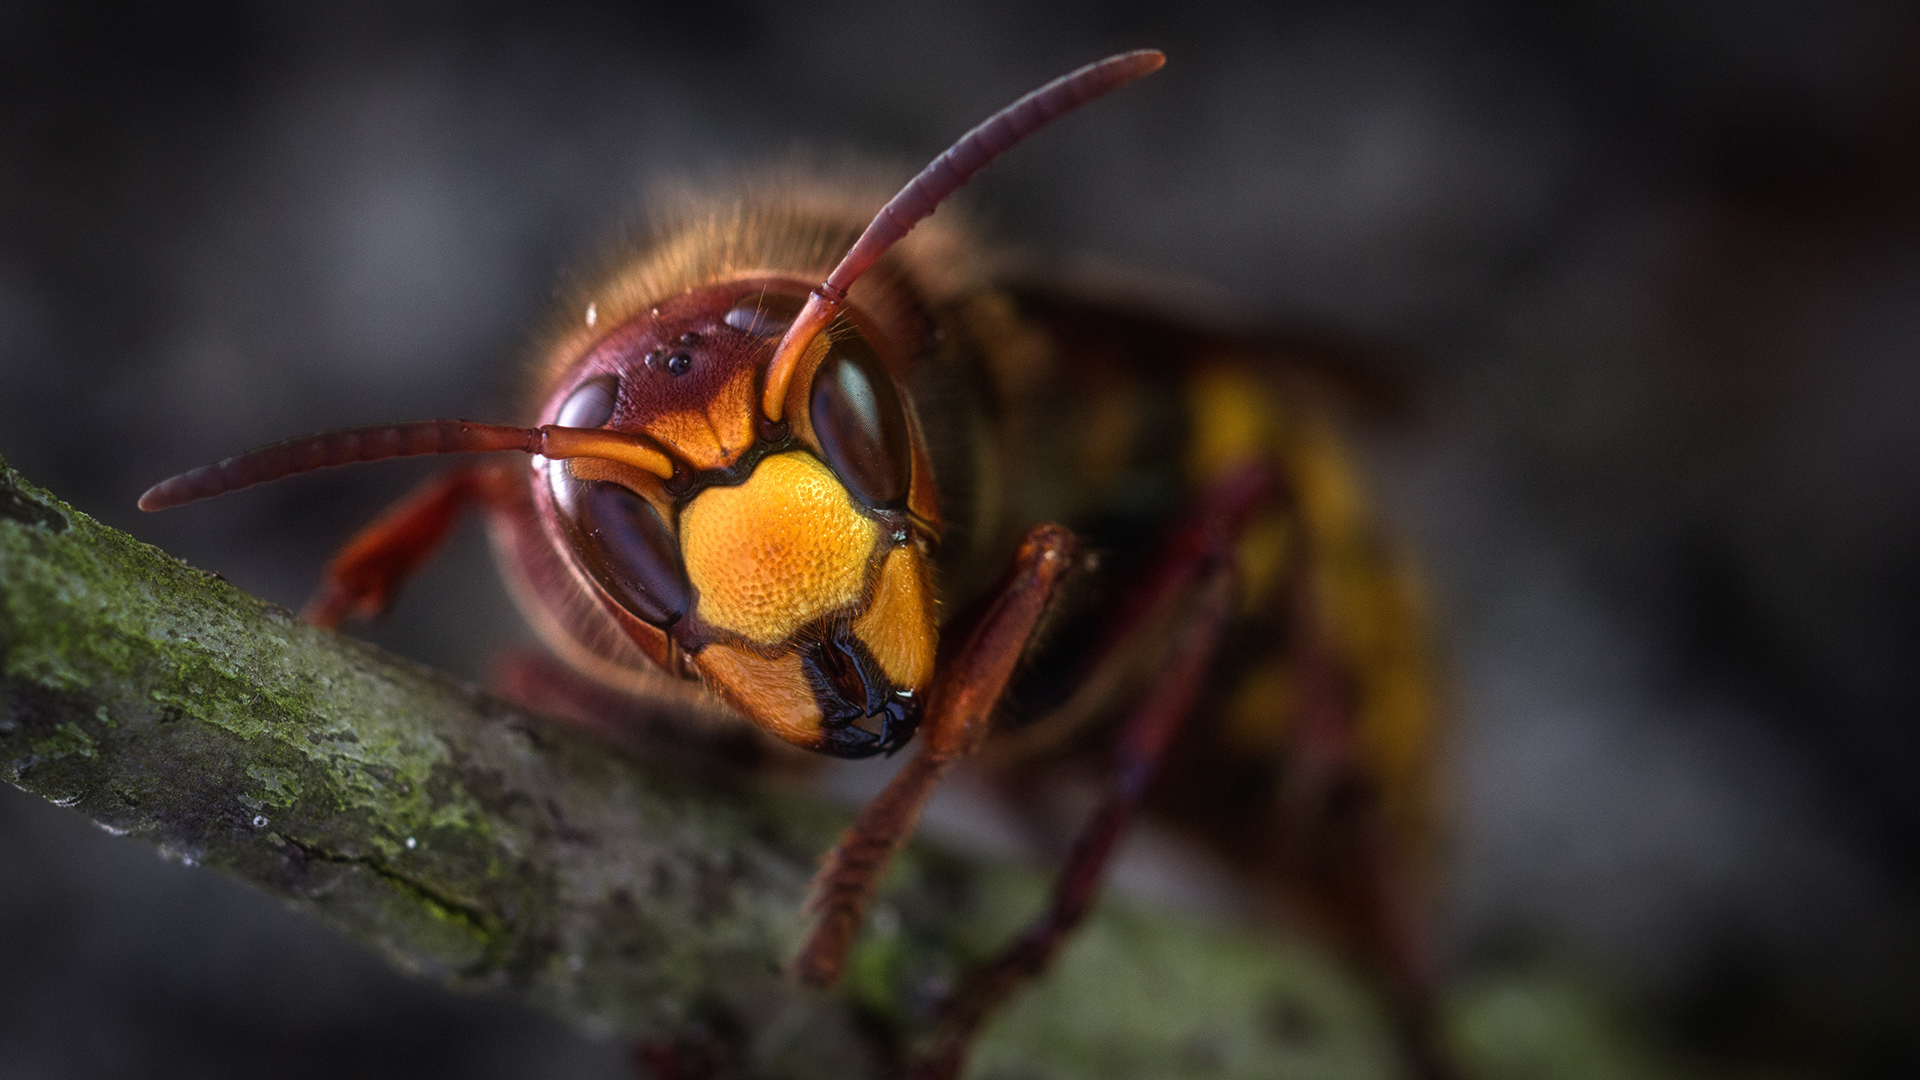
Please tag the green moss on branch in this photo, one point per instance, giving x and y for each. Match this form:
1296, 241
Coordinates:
477, 845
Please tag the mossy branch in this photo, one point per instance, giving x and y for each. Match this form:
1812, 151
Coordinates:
483, 847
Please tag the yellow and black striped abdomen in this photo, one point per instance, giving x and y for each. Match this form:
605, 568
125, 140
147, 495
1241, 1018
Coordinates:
1126, 424
1362, 597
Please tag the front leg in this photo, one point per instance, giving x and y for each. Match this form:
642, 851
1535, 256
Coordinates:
1143, 743
362, 579
959, 716
961, 707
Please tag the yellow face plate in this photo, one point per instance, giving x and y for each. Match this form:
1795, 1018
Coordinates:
898, 629
769, 556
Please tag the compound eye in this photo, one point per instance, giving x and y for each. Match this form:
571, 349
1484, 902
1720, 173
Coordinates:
861, 427
622, 543
764, 314
590, 405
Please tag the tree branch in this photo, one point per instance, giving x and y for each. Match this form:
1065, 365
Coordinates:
474, 844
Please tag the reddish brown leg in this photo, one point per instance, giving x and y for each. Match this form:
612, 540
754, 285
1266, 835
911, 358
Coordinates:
1197, 563
361, 581
1143, 744
963, 700
959, 714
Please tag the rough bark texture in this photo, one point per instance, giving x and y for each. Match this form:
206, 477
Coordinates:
480, 846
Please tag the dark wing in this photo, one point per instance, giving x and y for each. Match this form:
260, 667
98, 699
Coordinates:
1095, 311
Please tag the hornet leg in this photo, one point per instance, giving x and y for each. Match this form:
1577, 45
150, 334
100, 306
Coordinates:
959, 716
1198, 561
362, 580
1143, 743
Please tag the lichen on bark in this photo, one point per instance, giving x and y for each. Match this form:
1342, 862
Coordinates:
483, 847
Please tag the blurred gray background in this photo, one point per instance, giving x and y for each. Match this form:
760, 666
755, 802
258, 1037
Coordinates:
1653, 274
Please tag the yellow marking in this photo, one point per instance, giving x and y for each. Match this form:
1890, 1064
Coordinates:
1262, 557
1396, 714
772, 693
898, 628
1325, 484
730, 414
775, 553
1372, 614
712, 438
692, 438
1232, 422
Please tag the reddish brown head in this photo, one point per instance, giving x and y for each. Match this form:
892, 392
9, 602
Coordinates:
786, 561
734, 474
